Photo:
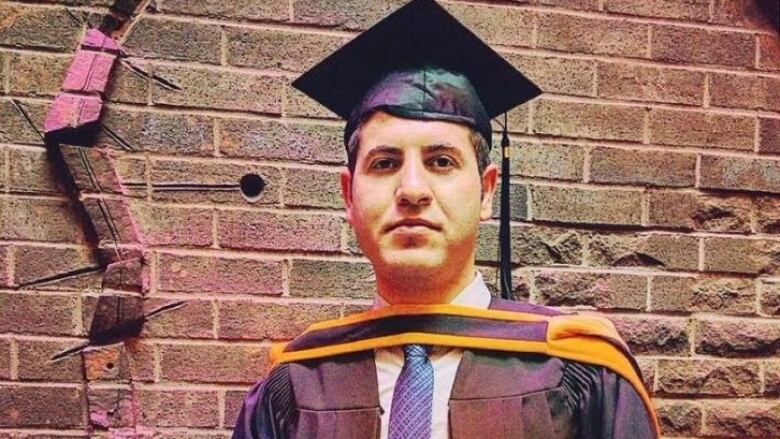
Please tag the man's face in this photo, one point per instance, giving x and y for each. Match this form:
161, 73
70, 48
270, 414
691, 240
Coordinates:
415, 198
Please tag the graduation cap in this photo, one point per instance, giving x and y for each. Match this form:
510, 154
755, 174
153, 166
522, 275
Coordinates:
420, 62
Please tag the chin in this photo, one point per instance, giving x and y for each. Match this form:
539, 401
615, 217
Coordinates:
413, 261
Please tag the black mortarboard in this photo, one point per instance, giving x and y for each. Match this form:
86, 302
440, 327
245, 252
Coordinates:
422, 63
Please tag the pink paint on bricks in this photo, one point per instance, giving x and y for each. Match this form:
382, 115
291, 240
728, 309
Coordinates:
72, 111
96, 40
89, 72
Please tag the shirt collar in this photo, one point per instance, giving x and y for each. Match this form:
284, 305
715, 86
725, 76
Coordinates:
475, 295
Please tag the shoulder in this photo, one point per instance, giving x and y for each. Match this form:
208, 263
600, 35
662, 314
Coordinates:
497, 304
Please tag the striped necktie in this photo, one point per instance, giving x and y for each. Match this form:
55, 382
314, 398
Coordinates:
410, 413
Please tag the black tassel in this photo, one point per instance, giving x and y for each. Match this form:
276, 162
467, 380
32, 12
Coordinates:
504, 232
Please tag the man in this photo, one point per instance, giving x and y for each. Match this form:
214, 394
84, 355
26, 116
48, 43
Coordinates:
437, 357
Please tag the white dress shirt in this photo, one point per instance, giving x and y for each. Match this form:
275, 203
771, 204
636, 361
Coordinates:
445, 362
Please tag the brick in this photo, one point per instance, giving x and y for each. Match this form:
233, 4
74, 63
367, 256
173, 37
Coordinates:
767, 214
495, 24
28, 27
705, 294
234, 399
702, 46
737, 337
312, 188
576, 205
15, 127
693, 128
211, 182
743, 13
678, 418
693, 10
349, 15
142, 360
89, 72
572, 4
179, 226
274, 321
556, 75
37, 74
219, 90
738, 173
517, 120
132, 175
571, 33
654, 335
33, 171
770, 297
44, 407
669, 252
297, 103
39, 220
741, 255
178, 134
769, 135
6, 262
37, 314
250, 230
35, 364
111, 408
176, 40
772, 378
599, 290
742, 91
73, 119
113, 221
211, 274
518, 202
593, 121
228, 363
263, 10
53, 268
535, 245
309, 278
650, 168
179, 408
192, 320
107, 363
649, 84
708, 378
307, 143
647, 370
742, 419
548, 161
696, 211
91, 169
768, 53
277, 49
5, 359
126, 85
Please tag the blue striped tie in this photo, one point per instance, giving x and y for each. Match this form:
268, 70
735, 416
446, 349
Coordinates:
410, 414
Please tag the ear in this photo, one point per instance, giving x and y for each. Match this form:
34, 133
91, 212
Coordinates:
489, 180
346, 192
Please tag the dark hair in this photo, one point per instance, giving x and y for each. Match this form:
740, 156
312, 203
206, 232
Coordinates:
478, 141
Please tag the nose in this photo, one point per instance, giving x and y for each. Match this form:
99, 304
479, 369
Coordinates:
412, 188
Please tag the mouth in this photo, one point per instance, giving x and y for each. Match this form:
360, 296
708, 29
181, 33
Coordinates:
411, 224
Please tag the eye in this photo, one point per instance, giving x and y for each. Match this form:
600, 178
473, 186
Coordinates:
442, 162
383, 164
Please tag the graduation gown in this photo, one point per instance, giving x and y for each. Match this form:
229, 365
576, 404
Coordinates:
508, 385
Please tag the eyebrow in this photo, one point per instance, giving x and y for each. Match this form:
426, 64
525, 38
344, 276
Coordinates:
442, 147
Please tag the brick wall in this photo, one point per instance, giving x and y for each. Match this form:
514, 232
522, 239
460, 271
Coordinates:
646, 184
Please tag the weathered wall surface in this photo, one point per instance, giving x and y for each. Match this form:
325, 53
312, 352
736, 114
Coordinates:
646, 186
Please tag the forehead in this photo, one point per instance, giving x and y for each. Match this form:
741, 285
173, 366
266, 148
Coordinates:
384, 129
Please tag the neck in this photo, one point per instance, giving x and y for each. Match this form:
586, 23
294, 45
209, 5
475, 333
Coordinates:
423, 287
